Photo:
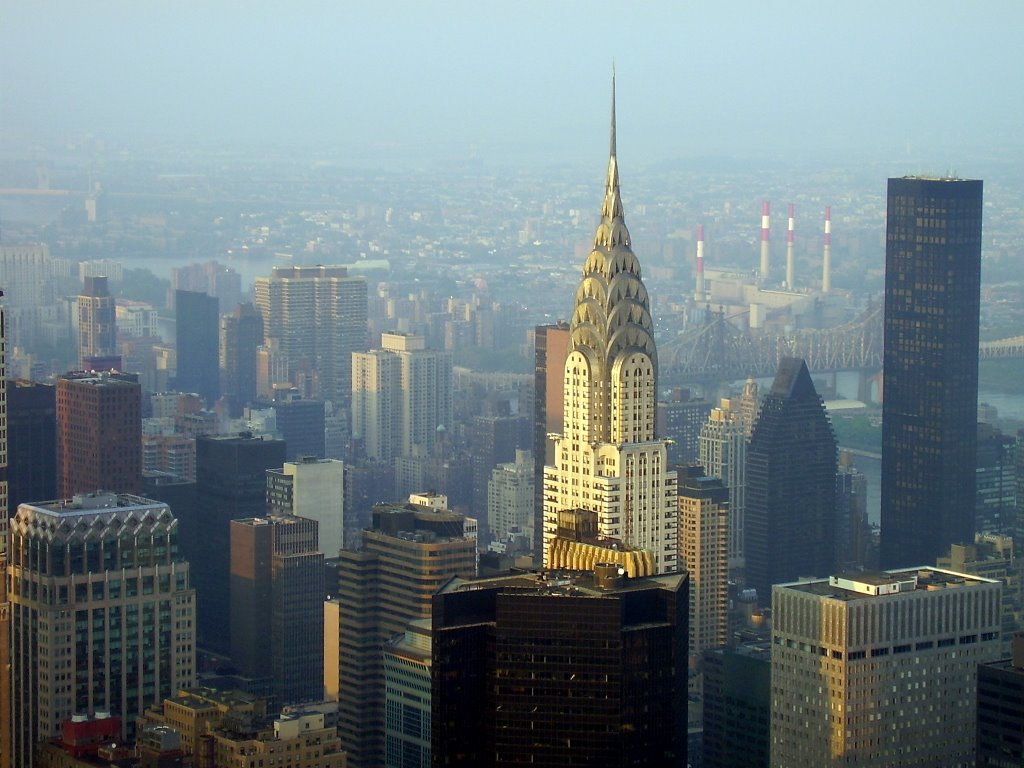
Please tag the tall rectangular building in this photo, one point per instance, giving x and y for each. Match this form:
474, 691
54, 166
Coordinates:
407, 554
880, 668
577, 669
102, 613
197, 333
704, 554
97, 323
551, 345
1001, 710
241, 336
791, 484
6, 743
99, 433
401, 397
231, 484
313, 488
722, 451
277, 583
930, 364
32, 442
316, 316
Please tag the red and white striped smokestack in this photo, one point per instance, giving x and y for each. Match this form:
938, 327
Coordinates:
826, 266
698, 292
765, 229
790, 259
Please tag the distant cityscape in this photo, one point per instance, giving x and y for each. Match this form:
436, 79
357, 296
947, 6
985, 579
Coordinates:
311, 466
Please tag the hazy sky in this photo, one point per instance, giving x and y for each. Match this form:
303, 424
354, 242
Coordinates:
522, 78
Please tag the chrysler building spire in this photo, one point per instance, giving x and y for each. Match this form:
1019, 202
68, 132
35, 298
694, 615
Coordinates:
607, 458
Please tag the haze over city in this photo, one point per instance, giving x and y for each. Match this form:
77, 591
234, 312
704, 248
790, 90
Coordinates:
472, 384
925, 84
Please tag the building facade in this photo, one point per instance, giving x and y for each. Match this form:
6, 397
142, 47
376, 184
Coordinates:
312, 488
99, 433
231, 484
510, 498
316, 317
102, 613
722, 451
197, 334
407, 554
576, 669
97, 323
401, 397
791, 484
241, 336
930, 364
1001, 710
277, 586
880, 668
704, 554
550, 348
608, 457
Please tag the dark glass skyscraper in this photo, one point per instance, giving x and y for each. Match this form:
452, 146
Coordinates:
198, 340
791, 484
930, 384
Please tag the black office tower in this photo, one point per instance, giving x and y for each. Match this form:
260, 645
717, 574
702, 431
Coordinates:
241, 337
575, 669
197, 336
231, 484
31, 442
791, 484
930, 380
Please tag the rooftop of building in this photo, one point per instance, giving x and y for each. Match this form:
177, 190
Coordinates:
204, 697
603, 581
869, 584
91, 503
101, 378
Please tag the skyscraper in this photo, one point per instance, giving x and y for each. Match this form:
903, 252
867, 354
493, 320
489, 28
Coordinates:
550, 348
510, 498
97, 324
6, 742
407, 554
313, 488
317, 318
231, 484
583, 669
277, 614
880, 668
704, 553
241, 336
99, 433
300, 423
608, 457
1001, 710
401, 396
722, 451
791, 484
114, 629
197, 333
32, 442
930, 364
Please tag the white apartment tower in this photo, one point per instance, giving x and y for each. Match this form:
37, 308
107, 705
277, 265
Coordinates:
879, 669
312, 488
510, 497
608, 458
722, 451
401, 396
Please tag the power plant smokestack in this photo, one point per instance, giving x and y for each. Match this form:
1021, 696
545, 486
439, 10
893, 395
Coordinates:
790, 260
698, 292
765, 207
826, 266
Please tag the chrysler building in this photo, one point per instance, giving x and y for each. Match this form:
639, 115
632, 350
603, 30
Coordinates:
608, 458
